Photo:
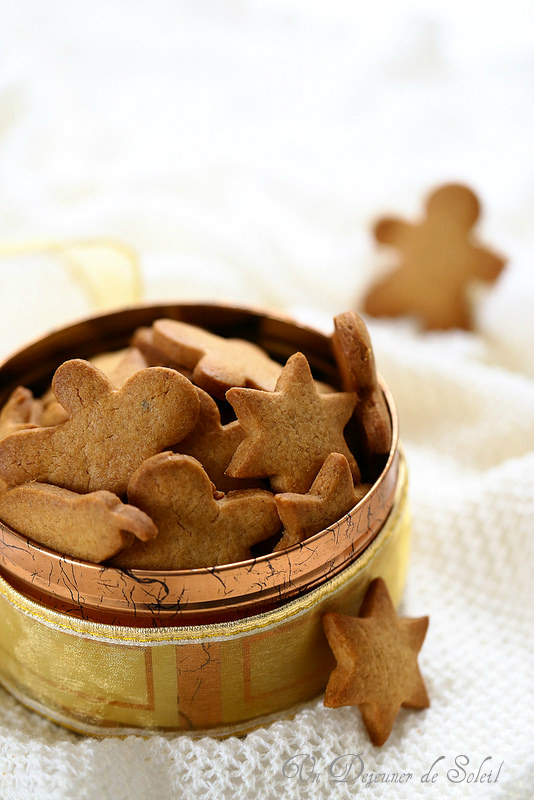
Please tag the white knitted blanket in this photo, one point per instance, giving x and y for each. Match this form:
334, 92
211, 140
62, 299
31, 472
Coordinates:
243, 149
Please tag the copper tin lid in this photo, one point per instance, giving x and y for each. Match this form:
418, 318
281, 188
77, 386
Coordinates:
148, 598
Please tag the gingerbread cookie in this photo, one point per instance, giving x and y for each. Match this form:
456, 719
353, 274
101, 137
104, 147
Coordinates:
198, 526
110, 432
53, 412
20, 412
143, 340
355, 359
376, 656
108, 361
214, 444
118, 366
290, 432
438, 259
121, 365
93, 527
216, 363
331, 495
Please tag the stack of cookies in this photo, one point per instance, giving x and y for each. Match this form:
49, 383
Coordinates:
190, 450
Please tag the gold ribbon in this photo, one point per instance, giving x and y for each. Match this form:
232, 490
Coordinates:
222, 678
107, 270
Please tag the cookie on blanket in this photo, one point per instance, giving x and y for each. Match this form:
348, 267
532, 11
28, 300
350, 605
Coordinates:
439, 258
331, 495
93, 527
198, 526
110, 431
355, 359
290, 431
214, 444
20, 412
376, 656
216, 363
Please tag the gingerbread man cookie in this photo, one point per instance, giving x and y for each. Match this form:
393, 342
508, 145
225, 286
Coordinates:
438, 259
197, 524
118, 366
290, 432
110, 432
93, 527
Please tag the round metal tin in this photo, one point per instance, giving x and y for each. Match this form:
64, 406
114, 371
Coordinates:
150, 598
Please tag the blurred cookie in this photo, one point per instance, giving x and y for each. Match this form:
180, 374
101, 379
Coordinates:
438, 258
121, 365
20, 412
53, 412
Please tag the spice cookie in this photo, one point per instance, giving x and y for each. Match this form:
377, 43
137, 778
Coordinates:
143, 340
438, 259
214, 444
331, 495
121, 365
117, 366
20, 412
376, 656
354, 355
291, 431
216, 363
53, 412
93, 527
198, 526
110, 431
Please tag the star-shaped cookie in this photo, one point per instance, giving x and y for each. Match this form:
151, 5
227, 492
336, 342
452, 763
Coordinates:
331, 495
291, 431
438, 258
376, 656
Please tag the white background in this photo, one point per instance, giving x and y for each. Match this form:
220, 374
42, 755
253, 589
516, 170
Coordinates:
244, 149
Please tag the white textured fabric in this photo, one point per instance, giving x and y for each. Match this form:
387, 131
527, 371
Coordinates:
243, 149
